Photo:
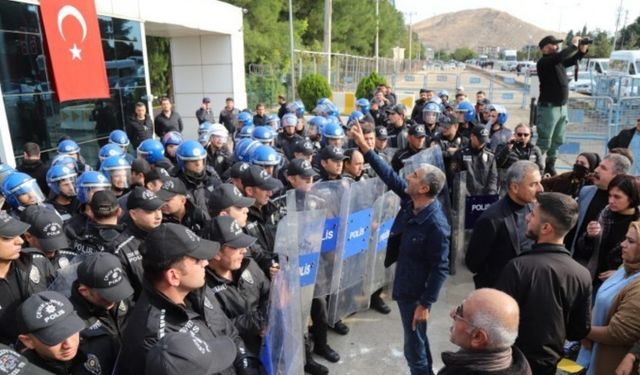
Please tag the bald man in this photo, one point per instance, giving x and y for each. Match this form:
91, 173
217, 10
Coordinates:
485, 327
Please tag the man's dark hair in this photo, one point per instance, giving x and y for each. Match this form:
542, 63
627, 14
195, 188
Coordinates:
31, 149
459, 94
559, 210
367, 128
259, 105
164, 98
154, 269
481, 92
229, 99
140, 104
428, 91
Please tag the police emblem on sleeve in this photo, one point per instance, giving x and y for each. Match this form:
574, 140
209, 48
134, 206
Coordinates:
10, 362
63, 262
92, 364
34, 275
246, 276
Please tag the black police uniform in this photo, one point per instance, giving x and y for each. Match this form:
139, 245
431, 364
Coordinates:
129, 250
154, 315
61, 259
401, 155
245, 300
480, 165
506, 157
26, 276
199, 188
262, 224
220, 160
98, 238
288, 143
66, 211
194, 218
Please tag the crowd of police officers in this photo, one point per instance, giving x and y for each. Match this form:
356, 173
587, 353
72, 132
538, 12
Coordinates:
162, 263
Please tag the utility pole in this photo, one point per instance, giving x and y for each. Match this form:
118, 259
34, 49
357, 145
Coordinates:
624, 25
615, 33
410, 14
377, 36
292, 57
327, 35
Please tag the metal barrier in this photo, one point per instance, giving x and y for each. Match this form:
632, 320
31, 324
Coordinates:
617, 87
590, 126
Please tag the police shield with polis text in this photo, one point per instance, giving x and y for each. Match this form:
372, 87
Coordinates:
283, 345
351, 295
385, 209
335, 194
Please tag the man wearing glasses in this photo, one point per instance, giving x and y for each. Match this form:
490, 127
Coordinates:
519, 147
485, 327
629, 138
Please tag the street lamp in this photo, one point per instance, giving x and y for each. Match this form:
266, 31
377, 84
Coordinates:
293, 70
529, 48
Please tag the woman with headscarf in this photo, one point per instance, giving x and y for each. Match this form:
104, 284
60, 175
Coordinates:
570, 183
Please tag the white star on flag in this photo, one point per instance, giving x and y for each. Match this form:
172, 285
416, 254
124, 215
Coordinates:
75, 52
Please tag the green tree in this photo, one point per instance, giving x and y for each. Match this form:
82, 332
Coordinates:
368, 84
313, 87
463, 54
567, 39
630, 36
602, 45
159, 58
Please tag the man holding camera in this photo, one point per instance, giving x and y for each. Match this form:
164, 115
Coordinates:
554, 92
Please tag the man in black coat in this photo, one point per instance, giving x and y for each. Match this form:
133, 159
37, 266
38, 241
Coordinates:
552, 290
498, 235
139, 126
34, 167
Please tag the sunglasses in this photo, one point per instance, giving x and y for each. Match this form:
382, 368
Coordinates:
523, 134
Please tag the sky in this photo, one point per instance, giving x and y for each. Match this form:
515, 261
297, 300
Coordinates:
555, 15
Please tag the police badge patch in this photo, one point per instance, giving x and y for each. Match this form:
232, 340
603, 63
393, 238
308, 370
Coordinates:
63, 262
246, 276
92, 364
34, 275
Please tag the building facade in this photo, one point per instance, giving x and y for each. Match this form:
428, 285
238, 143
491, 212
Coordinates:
207, 59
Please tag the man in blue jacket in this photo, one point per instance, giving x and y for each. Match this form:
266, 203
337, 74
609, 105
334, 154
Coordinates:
419, 242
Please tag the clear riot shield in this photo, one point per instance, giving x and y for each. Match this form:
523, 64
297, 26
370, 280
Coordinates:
433, 156
283, 344
310, 213
335, 195
66, 276
385, 210
467, 209
351, 295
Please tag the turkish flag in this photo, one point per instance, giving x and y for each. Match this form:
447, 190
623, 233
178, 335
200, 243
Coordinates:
75, 49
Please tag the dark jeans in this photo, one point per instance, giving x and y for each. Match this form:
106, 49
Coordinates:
416, 344
320, 325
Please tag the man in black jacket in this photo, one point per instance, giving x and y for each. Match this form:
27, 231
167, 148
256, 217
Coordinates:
416, 112
498, 235
21, 275
174, 299
179, 209
552, 290
237, 282
139, 126
34, 167
167, 120
554, 92
629, 138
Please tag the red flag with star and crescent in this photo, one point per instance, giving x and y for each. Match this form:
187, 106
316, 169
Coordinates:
75, 49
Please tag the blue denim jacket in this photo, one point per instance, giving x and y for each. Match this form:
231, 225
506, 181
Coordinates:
423, 256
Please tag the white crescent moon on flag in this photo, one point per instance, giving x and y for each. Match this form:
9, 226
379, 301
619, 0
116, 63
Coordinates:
72, 11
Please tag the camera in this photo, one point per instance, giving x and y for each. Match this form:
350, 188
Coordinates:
585, 41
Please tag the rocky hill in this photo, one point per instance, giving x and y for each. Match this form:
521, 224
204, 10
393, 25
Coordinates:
475, 28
